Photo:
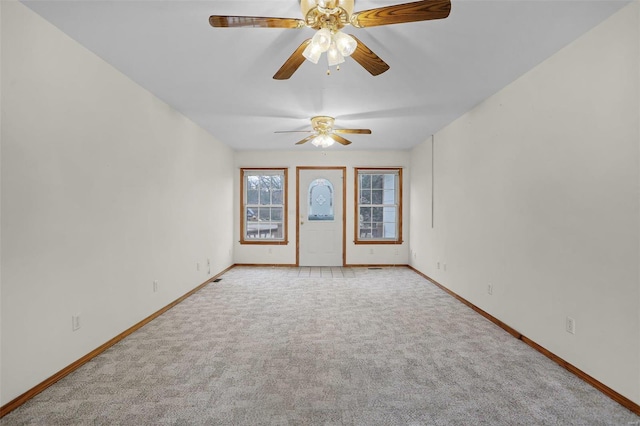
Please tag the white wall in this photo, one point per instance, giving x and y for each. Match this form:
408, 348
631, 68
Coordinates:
355, 254
104, 189
536, 192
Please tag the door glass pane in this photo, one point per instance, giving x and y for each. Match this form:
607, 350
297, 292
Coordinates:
320, 200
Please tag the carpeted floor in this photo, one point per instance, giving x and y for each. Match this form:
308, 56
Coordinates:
280, 346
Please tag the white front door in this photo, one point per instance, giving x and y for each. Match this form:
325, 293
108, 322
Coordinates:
320, 216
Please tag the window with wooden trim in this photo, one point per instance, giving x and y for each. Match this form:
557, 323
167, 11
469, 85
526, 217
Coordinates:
378, 206
263, 206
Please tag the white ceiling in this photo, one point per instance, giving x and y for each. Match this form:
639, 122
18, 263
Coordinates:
221, 78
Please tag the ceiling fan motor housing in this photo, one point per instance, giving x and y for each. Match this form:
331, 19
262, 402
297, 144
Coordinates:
332, 14
322, 124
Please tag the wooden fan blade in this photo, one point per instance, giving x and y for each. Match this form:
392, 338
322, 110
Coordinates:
339, 139
305, 140
359, 131
369, 60
407, 12
293, 63
254, 21
293, 131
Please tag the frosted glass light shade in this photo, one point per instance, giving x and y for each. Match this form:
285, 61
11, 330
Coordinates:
345, 43
322, 141
312, 53
322, 39
334, 57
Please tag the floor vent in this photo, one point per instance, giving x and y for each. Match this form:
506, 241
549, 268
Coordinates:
374, 268
217, 280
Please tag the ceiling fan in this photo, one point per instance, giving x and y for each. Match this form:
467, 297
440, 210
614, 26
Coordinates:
324, 135
328, 17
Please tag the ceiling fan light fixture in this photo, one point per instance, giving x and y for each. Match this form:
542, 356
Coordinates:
334, 57
345, 43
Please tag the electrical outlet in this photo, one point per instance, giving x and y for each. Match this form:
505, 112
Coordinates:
570, 325
155, 286
489, 288
197, 266
208, 266
75, 322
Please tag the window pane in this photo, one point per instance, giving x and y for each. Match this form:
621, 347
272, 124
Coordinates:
252, 196
376, 214
376, 196
276, 214
365, 181
389, 181
365, 214
377, 181
264, 214
253, 182
365, 196
265, 197
389, 230
389, 196
276, 182
276, 196
389, 214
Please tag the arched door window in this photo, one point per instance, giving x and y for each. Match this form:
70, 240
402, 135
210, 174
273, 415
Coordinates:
320, 200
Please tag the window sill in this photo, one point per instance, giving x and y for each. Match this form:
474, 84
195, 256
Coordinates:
265, 242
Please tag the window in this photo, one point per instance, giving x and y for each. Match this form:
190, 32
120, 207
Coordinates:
378, 206
264, 206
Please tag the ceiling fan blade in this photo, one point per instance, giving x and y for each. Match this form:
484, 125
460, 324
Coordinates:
293, 63
293, 131
254, 21
358, 131
339, 139
307, 139
369, 60
407, 12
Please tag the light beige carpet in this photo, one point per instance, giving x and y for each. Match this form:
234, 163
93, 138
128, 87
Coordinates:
280, 346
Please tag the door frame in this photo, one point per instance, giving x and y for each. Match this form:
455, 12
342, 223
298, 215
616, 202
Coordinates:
344, 208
